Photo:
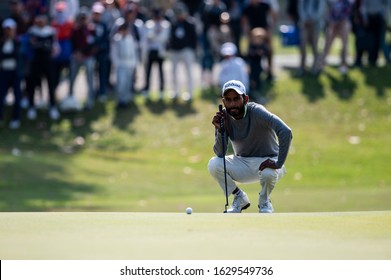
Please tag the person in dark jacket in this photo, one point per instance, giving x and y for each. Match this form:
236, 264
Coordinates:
102, 43
42, 41
10, 70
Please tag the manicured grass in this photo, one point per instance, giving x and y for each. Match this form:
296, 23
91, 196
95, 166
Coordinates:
203, 236
153, 157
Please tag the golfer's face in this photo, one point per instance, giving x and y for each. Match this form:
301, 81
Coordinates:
234, 103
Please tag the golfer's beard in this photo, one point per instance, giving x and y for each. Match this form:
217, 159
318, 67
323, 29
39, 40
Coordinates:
236, 111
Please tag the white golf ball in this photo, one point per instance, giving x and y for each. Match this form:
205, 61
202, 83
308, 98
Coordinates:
189, 210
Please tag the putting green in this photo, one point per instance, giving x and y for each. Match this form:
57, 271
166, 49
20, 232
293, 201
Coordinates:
169, 236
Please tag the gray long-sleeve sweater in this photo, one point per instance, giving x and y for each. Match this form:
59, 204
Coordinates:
258, 134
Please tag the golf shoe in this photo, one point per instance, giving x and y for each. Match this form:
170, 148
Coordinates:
240, 202
266, 207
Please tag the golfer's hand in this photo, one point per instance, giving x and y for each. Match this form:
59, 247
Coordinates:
269, 163
217, 120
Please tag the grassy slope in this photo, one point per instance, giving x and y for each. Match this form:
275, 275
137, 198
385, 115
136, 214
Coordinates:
154, 156
152, 236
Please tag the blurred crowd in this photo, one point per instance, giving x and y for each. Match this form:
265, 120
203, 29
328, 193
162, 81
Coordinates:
49, 41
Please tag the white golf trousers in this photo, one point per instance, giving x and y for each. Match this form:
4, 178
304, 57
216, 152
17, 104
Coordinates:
245, 170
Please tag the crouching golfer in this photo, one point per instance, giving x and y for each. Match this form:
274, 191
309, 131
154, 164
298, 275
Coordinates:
260, 141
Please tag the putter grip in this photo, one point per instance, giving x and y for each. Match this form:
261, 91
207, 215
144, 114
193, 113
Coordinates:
222, 119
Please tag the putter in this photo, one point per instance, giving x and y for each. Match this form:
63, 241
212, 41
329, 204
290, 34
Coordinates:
225, 168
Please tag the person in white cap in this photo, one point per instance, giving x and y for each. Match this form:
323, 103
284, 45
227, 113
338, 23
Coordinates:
260, 141
232, 66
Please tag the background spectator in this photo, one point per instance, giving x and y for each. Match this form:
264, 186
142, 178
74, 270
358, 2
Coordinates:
235, 10
63, 26
101, 49
123, 55
83, 48
36, 7
136, 30
264, 15
157, 35
374, 14
292, 11
338, 24
20, 16
256, 54
10, 71
183, 44
311, 15
210, 15
362, 41
71, 12
42, 39
232, 66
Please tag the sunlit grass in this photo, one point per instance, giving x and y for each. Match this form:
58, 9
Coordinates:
153, 156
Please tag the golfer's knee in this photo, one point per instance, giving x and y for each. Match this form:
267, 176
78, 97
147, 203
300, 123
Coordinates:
215, 166
268, 176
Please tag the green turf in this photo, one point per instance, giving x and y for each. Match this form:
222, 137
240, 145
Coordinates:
153, 157
348, 235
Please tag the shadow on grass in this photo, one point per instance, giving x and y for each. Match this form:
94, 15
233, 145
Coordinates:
31, 184
181, 108
34, 157
342, 85
311, 85
378, 78
124, 117
156, 107
47, 135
